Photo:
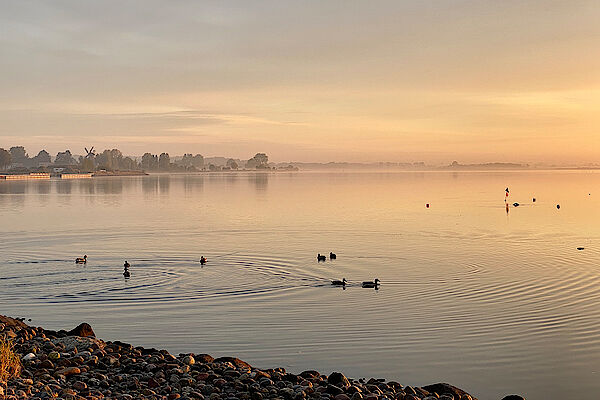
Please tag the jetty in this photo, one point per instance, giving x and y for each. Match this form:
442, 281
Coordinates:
30, 176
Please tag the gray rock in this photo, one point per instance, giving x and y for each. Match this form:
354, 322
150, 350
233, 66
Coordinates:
78, 343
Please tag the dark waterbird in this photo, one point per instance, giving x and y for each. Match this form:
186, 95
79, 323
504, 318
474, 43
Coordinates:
79, 260
516, 204
339, 283
332, 256
580, 248
126, 272
320, 257
371, 284
202, 260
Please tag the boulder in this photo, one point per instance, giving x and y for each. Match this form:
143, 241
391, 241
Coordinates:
204, 358
9, 322
445, 388
338, 379
83, 330
235, 361
310, 374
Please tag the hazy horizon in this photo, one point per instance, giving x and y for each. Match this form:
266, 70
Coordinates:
342, 81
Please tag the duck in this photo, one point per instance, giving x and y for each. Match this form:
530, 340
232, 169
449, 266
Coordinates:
339, 283
332, 256
202, 260
516, 204
320, 257
126, 272
371, 284
79, 260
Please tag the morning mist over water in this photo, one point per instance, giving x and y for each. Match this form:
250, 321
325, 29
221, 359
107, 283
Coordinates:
471, 294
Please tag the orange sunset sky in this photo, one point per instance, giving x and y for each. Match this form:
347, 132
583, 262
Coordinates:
434, 81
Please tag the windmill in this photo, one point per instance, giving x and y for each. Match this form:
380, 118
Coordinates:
90, 153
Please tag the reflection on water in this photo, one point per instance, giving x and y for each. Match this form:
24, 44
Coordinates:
493, 298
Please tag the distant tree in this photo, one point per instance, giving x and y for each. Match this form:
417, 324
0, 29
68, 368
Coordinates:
232, 164
128, 164
149, 162
19, 155
212, 167
164, 161
87, 164
259, 161
5, 158
110, 159
198, 161
64, 158
187, 160
43, 157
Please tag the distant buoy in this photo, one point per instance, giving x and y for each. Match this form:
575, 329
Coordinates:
558, 206
427, 205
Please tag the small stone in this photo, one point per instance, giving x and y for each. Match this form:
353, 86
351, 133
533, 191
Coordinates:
342, 396
55, 355
69, 371
28, 357
333, 390
79, 386
189, 360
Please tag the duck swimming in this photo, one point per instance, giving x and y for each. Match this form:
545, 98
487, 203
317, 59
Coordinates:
339, 283
332, 256
126, 272
79, 260
320, 257
371, 284
202, 260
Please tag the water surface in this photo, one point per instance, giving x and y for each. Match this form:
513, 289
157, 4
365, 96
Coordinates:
493, 301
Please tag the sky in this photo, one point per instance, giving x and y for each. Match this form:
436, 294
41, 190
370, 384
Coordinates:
314, 81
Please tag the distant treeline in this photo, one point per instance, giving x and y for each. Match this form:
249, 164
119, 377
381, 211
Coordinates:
17, 159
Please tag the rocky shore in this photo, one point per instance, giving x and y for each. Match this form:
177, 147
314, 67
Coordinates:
75, 365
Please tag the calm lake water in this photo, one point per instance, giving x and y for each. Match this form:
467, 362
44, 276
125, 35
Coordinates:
494, 302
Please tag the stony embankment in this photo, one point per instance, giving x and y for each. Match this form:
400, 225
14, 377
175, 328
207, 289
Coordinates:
74, 365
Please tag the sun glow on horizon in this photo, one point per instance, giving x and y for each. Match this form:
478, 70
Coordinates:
341, 81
